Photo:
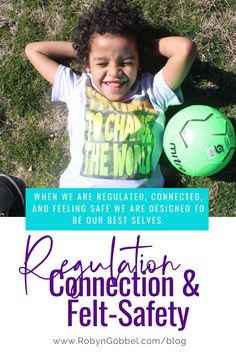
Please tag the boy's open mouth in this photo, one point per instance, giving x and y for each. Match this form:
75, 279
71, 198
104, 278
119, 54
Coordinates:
114, 84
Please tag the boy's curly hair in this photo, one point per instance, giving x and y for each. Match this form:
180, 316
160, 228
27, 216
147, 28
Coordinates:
116, 17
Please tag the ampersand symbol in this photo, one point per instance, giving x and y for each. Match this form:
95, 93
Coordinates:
189, 289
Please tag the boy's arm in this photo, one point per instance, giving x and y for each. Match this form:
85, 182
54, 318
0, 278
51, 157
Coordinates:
181, 53
44, 55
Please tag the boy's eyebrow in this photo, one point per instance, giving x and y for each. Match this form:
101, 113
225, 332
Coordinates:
124, 58
129, 57
99, 58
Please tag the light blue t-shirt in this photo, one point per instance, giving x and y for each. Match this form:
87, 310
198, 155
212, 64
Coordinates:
114, 144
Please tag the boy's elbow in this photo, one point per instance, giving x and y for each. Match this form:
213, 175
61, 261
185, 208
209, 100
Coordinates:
29, 49
190, 49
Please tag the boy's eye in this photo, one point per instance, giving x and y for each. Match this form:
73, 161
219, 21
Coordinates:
102, 64
127, 63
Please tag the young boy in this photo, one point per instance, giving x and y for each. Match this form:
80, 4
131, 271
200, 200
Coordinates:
116, 115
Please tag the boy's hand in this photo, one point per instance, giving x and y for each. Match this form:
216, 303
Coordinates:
43, 56
181, 53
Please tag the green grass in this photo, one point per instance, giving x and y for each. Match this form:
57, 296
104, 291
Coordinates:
34, 142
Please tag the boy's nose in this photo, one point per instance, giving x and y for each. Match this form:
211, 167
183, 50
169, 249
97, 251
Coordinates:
113, 70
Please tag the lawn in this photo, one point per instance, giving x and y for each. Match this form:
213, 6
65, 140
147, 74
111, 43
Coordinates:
34, 143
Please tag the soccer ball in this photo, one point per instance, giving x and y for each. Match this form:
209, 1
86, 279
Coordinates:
199, 140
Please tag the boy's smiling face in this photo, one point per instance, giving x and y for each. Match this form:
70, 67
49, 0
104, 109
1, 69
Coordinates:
113, 63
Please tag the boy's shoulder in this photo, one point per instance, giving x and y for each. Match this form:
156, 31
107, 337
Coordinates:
149, 81
68, 74
160, 94
68, 84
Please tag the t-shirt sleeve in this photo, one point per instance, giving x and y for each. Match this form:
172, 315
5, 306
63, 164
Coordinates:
162, 95
65, 82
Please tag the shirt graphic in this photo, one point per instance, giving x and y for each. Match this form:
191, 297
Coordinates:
118, 138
